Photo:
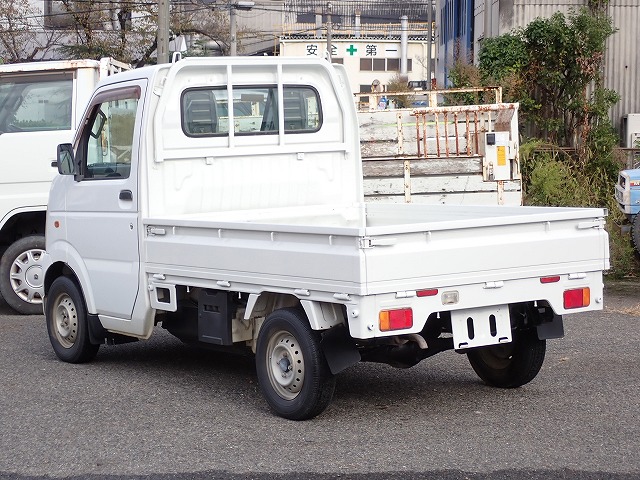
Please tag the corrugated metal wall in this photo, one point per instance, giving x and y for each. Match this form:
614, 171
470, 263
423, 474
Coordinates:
622, 64
622, 70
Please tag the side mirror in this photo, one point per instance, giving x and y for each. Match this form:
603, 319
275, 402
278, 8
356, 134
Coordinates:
65, 159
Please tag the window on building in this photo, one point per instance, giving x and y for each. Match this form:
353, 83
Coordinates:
60, 14
393, 64
383, 65
366, 64
379, 65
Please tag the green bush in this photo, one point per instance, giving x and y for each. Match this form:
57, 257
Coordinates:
551, 176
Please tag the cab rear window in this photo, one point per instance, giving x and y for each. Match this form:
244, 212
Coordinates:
254, 110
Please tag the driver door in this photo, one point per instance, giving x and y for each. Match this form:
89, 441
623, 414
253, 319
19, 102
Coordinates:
102, 203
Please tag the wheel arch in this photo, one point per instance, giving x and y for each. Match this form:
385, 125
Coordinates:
74, 268
20, 223
324, 315
320, 314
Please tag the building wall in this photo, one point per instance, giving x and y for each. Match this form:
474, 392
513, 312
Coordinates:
622, 61
366, 60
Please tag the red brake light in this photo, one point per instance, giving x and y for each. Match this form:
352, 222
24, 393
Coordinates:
395, 319
577, 298
427, 293
553, 279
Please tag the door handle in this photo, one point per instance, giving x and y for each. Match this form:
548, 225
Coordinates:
126, 195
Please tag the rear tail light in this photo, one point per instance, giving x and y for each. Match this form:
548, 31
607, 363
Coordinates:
553, 279
577, 298
427, 293
395, 319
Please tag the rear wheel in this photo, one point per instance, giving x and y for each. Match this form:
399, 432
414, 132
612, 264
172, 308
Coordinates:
21, 276
66, 318
509, 365
292, 371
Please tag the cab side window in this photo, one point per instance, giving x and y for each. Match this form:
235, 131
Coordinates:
109, 140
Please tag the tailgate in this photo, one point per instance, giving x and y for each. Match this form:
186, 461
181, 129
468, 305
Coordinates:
518, 243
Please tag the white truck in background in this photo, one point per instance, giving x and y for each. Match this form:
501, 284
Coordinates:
41, 104
223, 199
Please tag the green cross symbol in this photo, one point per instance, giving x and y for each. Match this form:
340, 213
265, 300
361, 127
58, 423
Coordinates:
352, 50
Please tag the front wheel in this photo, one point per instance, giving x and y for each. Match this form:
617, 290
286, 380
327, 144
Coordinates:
21, 276
292, 371
66, 318
509, 365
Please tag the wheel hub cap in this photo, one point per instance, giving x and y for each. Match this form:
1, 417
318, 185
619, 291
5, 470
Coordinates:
26, 276
66, 322
285, 365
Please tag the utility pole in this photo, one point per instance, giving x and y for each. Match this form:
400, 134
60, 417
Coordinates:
233, 47
488, 20
430, 36
329, 31
163, 31
245, 5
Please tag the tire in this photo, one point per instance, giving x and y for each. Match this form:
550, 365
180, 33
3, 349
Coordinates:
292, 371
509, 365
66, 317
635, 234
21, 275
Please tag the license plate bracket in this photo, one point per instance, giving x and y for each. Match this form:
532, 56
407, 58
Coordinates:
479, 327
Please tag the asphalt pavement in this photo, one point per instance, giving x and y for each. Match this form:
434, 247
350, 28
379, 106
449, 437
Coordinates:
159, 409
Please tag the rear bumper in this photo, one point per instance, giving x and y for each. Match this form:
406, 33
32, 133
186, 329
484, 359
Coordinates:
363, 312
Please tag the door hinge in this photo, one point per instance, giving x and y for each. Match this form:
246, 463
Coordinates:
151, 231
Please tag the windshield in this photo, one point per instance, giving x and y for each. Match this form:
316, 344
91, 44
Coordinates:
35, 102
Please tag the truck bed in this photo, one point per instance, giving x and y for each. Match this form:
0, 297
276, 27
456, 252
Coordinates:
376, 248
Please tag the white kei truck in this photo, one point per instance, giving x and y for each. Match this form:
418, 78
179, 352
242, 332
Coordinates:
41, 104
222, 198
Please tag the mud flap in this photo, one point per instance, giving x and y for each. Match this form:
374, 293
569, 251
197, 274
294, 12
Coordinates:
552, 329
339, 349
99, 336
